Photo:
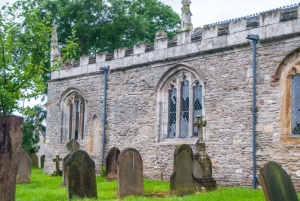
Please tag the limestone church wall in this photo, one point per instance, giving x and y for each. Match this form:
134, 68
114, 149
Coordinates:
221, 57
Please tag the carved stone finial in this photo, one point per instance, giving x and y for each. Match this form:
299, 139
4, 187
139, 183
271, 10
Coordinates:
55, 53
186, 22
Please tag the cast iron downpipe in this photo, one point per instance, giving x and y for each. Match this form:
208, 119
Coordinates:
105, 70
254, 39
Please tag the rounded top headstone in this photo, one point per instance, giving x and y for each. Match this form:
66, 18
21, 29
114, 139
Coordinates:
73, 145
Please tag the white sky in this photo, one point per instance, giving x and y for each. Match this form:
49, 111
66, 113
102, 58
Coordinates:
208, 12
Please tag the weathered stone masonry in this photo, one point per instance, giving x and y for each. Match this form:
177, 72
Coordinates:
223, 57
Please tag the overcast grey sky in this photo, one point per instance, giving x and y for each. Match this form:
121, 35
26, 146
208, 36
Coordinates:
210, 11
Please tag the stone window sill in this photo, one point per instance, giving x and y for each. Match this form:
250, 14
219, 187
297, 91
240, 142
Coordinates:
178, 141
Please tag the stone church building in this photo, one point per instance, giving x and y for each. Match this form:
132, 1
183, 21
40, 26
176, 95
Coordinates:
154, 93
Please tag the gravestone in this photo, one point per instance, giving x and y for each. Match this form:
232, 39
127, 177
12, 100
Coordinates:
24, 170
81, 175
276, 183
10, 142
130, 173
42, 161
71, 146
202, 166
57, 171
182, 179
111, 164
35, 160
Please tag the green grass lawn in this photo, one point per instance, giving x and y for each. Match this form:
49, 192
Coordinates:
47, 188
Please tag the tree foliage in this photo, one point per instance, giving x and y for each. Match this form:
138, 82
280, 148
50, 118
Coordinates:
106, 25
33, 128
24, 53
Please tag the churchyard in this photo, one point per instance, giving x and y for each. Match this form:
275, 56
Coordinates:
46, 187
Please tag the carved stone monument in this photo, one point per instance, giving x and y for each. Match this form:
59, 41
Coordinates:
276, 183
57, 171
130, 173
81, 175
202, 166
71, 146
186, 15
111, 164
24, 170
182, 179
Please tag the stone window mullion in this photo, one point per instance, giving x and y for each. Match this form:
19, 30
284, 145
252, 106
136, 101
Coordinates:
178, 107
191, 110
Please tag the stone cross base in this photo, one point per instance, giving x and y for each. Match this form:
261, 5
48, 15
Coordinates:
207, 184
57, 173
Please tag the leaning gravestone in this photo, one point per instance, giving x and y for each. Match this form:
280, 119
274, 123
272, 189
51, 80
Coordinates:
182, 179
72, 145
130, 173
111, 164
57, 171
10, 146
24, 170
276, 183
81, 175
35, 160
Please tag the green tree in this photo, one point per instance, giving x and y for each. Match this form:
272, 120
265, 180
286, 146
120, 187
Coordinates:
24, 53
106, 25
33, 128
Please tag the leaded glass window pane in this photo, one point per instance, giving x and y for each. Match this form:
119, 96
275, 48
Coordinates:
296, 105
82, 121
77, 120
70, 121
172, 112
184, 110
197, 105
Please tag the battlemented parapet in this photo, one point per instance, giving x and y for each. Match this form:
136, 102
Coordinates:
275, 23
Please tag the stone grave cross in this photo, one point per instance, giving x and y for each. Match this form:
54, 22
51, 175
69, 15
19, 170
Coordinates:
58, 172
200, 123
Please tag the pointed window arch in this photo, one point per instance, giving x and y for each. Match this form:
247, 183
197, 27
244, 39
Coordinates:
180, 97
288, 74
73, 110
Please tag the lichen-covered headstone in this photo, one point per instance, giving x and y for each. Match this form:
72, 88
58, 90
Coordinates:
72, 145
24, 170
81, 175
111, 164
276, 183
130, 173
10, 143
35, 160
182, 179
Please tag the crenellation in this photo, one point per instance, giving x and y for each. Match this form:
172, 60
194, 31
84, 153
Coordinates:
119, 52
139, 48
100, 57
209, 32
269, 24
161, 40
184, 37
269, 17
84, 60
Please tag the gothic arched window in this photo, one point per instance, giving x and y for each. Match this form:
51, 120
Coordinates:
73, 110
180, 102
295, 105
288, 75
